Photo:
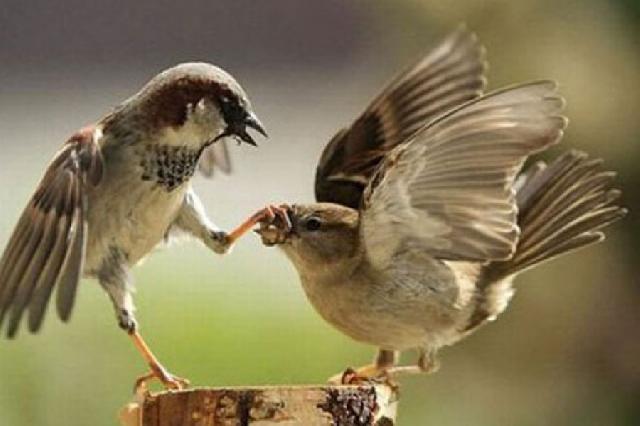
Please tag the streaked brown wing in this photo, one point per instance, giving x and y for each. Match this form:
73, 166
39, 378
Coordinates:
448, 76
48, 244
215, 157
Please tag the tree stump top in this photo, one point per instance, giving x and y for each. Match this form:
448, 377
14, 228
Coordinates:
373, 405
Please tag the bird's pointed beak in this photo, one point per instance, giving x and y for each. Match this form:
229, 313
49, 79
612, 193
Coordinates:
239, 129
254, 122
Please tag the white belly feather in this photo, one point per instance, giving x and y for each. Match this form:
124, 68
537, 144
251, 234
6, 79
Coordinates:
128, 214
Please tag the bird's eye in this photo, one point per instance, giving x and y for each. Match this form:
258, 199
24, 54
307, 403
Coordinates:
313, 224
225, 105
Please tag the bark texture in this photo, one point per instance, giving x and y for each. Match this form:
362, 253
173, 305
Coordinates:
262, 406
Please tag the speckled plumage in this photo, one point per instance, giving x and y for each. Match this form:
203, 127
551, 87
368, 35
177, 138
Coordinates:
168, 166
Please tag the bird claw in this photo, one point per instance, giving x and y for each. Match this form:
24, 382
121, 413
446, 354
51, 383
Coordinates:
276, 215
275, 225
368, 375
168, 380
270, 215
351, 377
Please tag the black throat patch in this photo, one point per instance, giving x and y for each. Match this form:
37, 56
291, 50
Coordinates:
169, 166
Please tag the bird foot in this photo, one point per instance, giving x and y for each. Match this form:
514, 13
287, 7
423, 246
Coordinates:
167, 379
272, 215
269, 214
275, 227
367, 375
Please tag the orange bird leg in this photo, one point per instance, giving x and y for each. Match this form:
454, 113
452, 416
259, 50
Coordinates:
157, 370
268, 213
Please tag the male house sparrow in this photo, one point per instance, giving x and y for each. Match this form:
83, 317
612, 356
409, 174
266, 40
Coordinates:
422, 223
116, 189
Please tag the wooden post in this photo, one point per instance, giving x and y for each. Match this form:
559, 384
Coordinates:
373, 405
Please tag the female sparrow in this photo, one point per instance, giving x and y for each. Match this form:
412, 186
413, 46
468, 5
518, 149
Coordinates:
422, 221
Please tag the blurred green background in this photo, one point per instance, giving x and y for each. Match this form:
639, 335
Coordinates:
567, 351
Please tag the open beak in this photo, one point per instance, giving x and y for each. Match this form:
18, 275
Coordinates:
239, 129
253, 122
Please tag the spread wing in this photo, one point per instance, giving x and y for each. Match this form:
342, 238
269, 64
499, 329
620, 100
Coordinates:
215, 157
450, 189
48, 244
448, 76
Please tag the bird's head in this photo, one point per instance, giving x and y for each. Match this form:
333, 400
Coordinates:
320, 235
196, 104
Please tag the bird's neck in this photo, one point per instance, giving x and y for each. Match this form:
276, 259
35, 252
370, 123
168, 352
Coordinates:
190, 135
319, 272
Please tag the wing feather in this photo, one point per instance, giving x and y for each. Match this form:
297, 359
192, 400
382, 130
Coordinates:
451, 188
50, 272
47, 247
215, 157
450, 75
73, 262
17, 269
47, 219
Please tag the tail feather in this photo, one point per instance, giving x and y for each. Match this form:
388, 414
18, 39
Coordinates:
562, 207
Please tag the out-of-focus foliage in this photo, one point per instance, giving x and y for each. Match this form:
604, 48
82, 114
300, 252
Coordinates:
565, 352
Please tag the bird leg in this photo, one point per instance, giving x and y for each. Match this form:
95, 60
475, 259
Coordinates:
157, 370
120, 295
269, 213
384, 369
193, 220
427, 364
115, 281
